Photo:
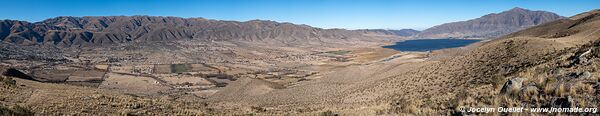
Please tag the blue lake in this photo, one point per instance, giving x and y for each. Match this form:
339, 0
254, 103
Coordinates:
430, 44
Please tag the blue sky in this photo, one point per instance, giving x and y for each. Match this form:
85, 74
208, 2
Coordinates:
348, 14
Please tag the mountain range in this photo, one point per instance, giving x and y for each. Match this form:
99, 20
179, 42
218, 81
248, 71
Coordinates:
401, 32
490, 25
119, 29
100, 30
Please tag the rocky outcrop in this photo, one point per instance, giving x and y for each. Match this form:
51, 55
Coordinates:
562, 102
512, 85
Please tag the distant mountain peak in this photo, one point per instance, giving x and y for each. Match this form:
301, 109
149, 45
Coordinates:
518, 9
490, 25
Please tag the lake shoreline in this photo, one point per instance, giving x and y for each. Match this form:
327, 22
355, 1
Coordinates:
424, 45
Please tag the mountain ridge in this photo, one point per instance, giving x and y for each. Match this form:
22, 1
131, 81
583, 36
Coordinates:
491, 25
87, 30
400, 32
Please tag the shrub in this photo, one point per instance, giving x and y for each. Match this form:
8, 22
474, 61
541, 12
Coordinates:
498, 81
408, 106
8, 81
560, 90
540, 81
328, 113
581, 88
15, 111
550, 86
529, 93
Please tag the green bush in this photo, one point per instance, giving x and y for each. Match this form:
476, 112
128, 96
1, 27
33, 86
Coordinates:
179, 68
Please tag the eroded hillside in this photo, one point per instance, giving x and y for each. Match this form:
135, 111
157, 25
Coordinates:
491, 25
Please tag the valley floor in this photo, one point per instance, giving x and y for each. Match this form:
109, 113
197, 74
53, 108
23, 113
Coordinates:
302, 78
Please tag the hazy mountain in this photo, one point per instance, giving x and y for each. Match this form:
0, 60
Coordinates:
118, 29
401, 32
491, 25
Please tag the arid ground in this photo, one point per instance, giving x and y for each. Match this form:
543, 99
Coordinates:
343, 72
